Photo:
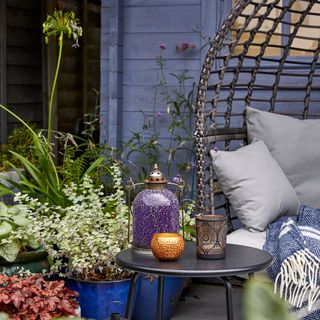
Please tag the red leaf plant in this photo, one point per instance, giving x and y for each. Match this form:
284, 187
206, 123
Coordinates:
33, 298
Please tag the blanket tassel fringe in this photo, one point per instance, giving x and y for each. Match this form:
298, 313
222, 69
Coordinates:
298, 279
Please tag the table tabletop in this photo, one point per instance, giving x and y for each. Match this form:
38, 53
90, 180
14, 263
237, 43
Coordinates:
238, 260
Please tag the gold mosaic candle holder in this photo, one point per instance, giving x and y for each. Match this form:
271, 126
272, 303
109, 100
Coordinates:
167, 246
211, 236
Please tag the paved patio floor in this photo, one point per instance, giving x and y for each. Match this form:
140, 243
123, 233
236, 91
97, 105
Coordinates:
207, 302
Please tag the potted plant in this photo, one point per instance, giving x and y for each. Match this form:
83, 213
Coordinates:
32, 297
80, 227
83, 239
55, 193
21, 252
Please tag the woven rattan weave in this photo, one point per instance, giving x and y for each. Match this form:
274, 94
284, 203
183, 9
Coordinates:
265, 55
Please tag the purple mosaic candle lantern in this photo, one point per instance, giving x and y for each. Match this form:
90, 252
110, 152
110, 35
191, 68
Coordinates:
155, 210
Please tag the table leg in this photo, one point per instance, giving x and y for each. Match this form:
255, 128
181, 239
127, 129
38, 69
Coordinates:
160, 297
228, 287
132, 291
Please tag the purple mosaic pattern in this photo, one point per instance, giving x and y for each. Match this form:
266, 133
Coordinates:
154, 211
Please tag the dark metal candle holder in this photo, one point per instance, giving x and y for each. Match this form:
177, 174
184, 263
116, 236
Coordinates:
211, 235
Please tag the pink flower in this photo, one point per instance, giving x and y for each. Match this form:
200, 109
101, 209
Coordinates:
184, 46
162, 46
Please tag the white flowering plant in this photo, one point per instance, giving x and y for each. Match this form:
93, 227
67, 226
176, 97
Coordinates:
188, 221
83, 238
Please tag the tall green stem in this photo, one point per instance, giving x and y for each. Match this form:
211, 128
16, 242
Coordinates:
54, 85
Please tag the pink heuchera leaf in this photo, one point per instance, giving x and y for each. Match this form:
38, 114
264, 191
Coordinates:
33, 297
17, 299
4, 298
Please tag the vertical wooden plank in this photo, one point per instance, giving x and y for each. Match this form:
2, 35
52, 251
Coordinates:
223, 9
285, 27
93, 53
51, 67
208, 23
85, 57
104, 74
213, 13
3, 69
45, 94
115, 74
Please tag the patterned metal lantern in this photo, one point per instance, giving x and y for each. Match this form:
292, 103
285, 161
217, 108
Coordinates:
211, 236
155, 210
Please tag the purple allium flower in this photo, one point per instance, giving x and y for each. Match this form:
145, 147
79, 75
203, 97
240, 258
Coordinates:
176, 179
162, 46
158, 114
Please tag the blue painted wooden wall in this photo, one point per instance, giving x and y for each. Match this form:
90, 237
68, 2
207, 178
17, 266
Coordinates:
131, 32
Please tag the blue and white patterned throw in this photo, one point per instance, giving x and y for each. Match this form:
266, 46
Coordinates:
294, 243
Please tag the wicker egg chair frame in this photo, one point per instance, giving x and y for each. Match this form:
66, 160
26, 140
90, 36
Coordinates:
270, 63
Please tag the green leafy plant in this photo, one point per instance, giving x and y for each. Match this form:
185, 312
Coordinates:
20, 140
83, 156
43, 179
261, 303
84, 237
13, 219
4, 316
187, 220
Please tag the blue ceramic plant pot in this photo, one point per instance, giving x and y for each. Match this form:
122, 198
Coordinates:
146, 302
98, 299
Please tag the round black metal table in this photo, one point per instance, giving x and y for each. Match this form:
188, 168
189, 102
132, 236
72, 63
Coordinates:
238, 260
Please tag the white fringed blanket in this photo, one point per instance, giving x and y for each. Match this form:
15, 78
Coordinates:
294, 243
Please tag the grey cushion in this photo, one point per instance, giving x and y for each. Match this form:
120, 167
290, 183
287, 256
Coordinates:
256, 186
247, 238
295, 145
